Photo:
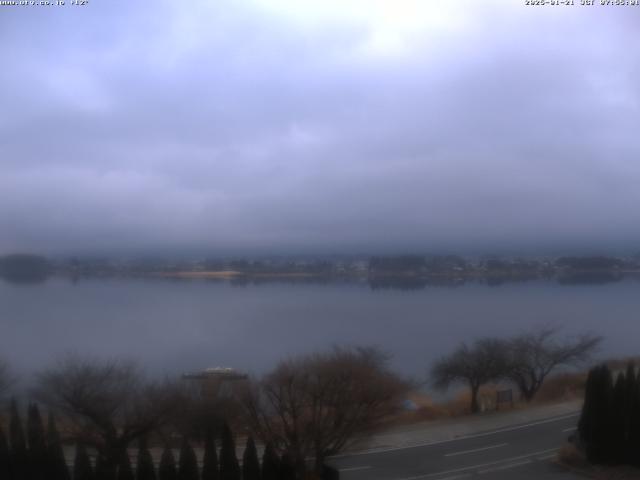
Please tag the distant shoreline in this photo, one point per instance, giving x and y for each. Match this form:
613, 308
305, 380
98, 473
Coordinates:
229, 274
199, 274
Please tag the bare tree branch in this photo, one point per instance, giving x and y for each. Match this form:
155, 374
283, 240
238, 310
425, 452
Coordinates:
109, 402
315, 405
534, 355
482, 362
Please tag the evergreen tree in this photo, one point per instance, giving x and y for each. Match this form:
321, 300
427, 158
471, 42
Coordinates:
604, 428
270, 464
229, 467
37, 453
617, 422
210, 469
167, 469
630, 380
188, 463
103, 470
19, 454
5, 466
145, 469
125, 471
287, 467
106, 469
330, 473
634, 427
586, 422
250, 462
82, 469
630, 413
58, 469
594, 426
609, 425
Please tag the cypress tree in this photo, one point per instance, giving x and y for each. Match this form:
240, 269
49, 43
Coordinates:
250, 462
287, 467
19, 454
634, 428
82, 469
330, 473
229, 467
102, 469
125, 471
210, 469
167, 469
599, 449
586, 422
188, 463
58, 469
270, 464
145, 469
630, 413
617, 422
37, 454
105, 468
5, 465
630, 380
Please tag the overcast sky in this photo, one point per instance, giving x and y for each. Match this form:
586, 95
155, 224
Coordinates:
328, 125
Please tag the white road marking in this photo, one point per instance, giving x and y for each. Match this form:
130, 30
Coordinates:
570, 429
504, 467
353, 469
480, 465
464, 437
463, 452
456, 477
548, 457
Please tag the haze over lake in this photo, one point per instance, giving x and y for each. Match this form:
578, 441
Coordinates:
180, 325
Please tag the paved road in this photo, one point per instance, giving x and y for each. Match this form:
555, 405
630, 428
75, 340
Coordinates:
518, 452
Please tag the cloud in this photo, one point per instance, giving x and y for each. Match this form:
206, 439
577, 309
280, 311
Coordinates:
317, 125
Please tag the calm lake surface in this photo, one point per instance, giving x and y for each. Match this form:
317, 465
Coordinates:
174, 326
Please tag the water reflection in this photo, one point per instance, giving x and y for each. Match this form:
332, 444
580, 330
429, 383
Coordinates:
592, 278
185, 324
22, 279
380, 282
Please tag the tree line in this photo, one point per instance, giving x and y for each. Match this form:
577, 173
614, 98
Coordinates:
609, 425
308, 407
36, 453
24, 267
524, 360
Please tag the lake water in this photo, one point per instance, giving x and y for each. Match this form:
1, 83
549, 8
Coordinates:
174, 326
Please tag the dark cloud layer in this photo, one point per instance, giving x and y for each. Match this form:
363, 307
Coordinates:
331, 125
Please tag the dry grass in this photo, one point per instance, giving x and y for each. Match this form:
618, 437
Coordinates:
557, 388
562, 387
428, 410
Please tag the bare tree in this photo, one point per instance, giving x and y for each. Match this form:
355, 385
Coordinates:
486, 360
315, 405
534, 355
108, 402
